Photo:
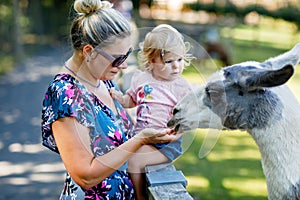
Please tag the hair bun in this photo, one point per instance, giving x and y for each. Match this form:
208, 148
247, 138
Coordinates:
106, 4
86, 7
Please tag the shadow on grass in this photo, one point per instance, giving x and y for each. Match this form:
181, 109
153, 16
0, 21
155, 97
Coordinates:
232, 170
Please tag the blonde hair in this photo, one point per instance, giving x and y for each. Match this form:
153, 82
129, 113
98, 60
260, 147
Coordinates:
97, 23
163, 38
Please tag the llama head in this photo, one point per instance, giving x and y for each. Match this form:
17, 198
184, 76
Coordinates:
237, 97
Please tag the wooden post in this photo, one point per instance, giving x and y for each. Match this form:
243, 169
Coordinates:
166, 183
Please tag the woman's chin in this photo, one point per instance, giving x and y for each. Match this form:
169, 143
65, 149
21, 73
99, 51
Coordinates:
111, 76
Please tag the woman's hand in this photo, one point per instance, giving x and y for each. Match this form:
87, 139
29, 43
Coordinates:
152, 136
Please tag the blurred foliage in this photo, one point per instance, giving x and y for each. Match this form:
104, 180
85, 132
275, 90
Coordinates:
24, 23
289, 13
28, 24
6, 27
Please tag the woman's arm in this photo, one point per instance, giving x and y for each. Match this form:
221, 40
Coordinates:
73, 142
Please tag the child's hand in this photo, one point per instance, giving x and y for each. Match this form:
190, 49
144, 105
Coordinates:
117, 95
171, 132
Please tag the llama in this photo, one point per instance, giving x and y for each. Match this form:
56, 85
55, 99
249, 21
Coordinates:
251, 96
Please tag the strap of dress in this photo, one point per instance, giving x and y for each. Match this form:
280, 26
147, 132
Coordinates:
110, 84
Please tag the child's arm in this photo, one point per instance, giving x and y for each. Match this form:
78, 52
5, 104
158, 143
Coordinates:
125, 100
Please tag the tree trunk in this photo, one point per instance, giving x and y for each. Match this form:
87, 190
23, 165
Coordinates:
36, 15
17, 33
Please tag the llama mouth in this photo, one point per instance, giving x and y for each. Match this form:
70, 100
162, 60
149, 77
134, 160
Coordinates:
177, 127
173, 122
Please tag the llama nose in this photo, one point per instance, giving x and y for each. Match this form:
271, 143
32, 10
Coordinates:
175, 110
176, 129
171, 123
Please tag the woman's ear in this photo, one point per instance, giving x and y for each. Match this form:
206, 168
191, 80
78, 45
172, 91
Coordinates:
87, 52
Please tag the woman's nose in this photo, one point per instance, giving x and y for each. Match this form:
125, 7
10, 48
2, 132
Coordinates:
124, 65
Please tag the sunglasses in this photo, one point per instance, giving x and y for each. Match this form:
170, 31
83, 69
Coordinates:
116, 60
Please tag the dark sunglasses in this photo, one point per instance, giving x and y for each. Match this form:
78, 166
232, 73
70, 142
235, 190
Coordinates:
116, 60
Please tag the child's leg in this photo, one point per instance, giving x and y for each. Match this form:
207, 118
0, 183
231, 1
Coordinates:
146, 155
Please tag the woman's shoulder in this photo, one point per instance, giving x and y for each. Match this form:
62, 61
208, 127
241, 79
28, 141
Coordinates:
63, 82
60, 80
64, 86
67, 97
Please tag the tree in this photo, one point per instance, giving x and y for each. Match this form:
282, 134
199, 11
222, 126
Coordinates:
17, 39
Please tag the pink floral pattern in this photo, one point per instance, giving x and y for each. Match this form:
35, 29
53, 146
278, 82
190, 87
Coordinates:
67, 97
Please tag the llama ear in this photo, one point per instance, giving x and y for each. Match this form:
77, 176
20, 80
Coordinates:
290, 57
270, 78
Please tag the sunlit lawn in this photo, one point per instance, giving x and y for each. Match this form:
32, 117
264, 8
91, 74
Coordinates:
232, 169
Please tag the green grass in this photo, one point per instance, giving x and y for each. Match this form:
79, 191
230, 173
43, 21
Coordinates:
232, 170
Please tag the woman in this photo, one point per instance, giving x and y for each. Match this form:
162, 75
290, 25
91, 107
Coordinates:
81, 121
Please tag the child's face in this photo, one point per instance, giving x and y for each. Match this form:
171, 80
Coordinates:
169, 70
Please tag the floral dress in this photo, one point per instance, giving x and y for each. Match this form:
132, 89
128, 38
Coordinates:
66, 97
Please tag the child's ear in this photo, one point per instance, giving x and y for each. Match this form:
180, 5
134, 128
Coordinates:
152, 61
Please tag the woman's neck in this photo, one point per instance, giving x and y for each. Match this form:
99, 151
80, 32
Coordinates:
80, 71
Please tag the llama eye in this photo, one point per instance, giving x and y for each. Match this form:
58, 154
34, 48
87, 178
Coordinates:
261, 91
241, 93
207, 92
207, 98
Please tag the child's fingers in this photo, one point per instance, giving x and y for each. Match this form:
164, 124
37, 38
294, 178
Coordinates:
113, 93
171, 132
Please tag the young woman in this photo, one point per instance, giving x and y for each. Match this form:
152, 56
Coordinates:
81, 121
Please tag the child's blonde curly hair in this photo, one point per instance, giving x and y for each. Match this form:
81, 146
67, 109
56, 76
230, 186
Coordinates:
163, 38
